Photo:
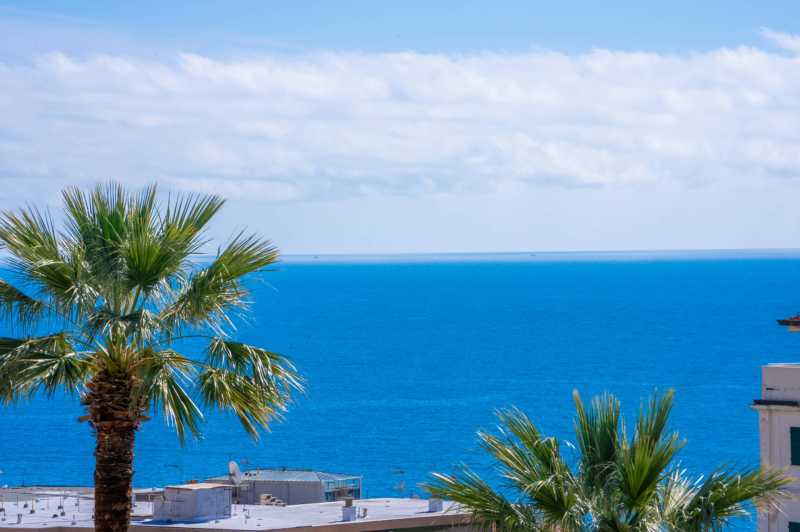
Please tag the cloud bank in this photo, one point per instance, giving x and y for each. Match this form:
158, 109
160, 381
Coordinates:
326, 124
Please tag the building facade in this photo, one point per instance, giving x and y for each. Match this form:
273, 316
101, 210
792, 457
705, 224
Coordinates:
193, 502
292, 486
779, 435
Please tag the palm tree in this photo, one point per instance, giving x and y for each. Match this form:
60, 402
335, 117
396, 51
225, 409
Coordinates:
104, 305
618, 483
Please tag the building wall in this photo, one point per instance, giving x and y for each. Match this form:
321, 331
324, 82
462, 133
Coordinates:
779, 383
193, 505
775, 423
289, 492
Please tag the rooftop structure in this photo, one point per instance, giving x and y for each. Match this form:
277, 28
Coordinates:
370, 514
779, 436
290, 486
201, 501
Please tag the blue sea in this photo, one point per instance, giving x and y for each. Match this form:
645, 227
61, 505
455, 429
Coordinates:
406, 356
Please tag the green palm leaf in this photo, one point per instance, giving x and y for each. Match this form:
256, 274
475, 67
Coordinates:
19, 308
40, 363
122, 283
618, 484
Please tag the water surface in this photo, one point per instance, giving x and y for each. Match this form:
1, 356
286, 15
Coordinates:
406, 357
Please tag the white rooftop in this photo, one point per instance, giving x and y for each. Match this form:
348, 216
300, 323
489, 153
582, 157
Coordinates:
289, 475
397, 513
198, 486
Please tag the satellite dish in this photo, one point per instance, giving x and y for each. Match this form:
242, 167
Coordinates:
234, 472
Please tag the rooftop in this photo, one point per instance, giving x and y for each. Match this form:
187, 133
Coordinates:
199, 486
391, 513
290, 475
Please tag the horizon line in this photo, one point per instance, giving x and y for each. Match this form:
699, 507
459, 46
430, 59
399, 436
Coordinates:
540, 256
542, 251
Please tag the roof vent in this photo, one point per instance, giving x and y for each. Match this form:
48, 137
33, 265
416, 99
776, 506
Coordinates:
348, 513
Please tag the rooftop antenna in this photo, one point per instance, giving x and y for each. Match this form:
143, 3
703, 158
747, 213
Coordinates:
234, 473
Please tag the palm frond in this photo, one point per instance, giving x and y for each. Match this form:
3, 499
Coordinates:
675, 494
535, 466
165, 375
488, 508
265, 368
228, 391
644, 461
597, 434
620, 484
155, 251
40, 363
710, 503
29, 235
19, 308
31, 238
212, 293
99, 223
253, 383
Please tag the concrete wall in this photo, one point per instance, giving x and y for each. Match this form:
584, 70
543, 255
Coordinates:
774, 424
288, 492
779, 382
193, 504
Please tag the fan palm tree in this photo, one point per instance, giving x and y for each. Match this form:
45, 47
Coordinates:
103, 306
619, 482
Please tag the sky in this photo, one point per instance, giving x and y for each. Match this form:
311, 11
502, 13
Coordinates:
418, 126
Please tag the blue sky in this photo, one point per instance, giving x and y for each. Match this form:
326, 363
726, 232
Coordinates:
450, 26
378, 127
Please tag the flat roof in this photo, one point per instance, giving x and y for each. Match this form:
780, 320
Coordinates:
388, 513
199, 486
290, 475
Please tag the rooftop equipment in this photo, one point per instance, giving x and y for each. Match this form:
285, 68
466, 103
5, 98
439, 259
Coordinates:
235, 473
280, 486
348, 510
202, 501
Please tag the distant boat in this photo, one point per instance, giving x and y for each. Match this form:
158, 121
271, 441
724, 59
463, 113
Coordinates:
792, 321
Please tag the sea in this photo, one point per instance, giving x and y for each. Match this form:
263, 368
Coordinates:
405, 357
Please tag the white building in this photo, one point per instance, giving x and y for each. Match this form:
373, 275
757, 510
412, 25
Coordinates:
201, 501
292, 486
375, 515
779, 429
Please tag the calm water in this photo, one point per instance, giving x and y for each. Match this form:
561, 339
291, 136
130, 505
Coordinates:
406, 358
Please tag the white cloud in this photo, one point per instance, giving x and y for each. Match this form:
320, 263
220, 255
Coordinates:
289, 127
787, 41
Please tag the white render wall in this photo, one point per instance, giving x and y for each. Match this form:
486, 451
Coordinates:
779, 382
289, 492
182, 504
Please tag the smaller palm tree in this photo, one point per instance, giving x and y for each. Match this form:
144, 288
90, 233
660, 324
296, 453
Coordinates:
619, 482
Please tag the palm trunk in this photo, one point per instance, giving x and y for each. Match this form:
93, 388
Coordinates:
114, 417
